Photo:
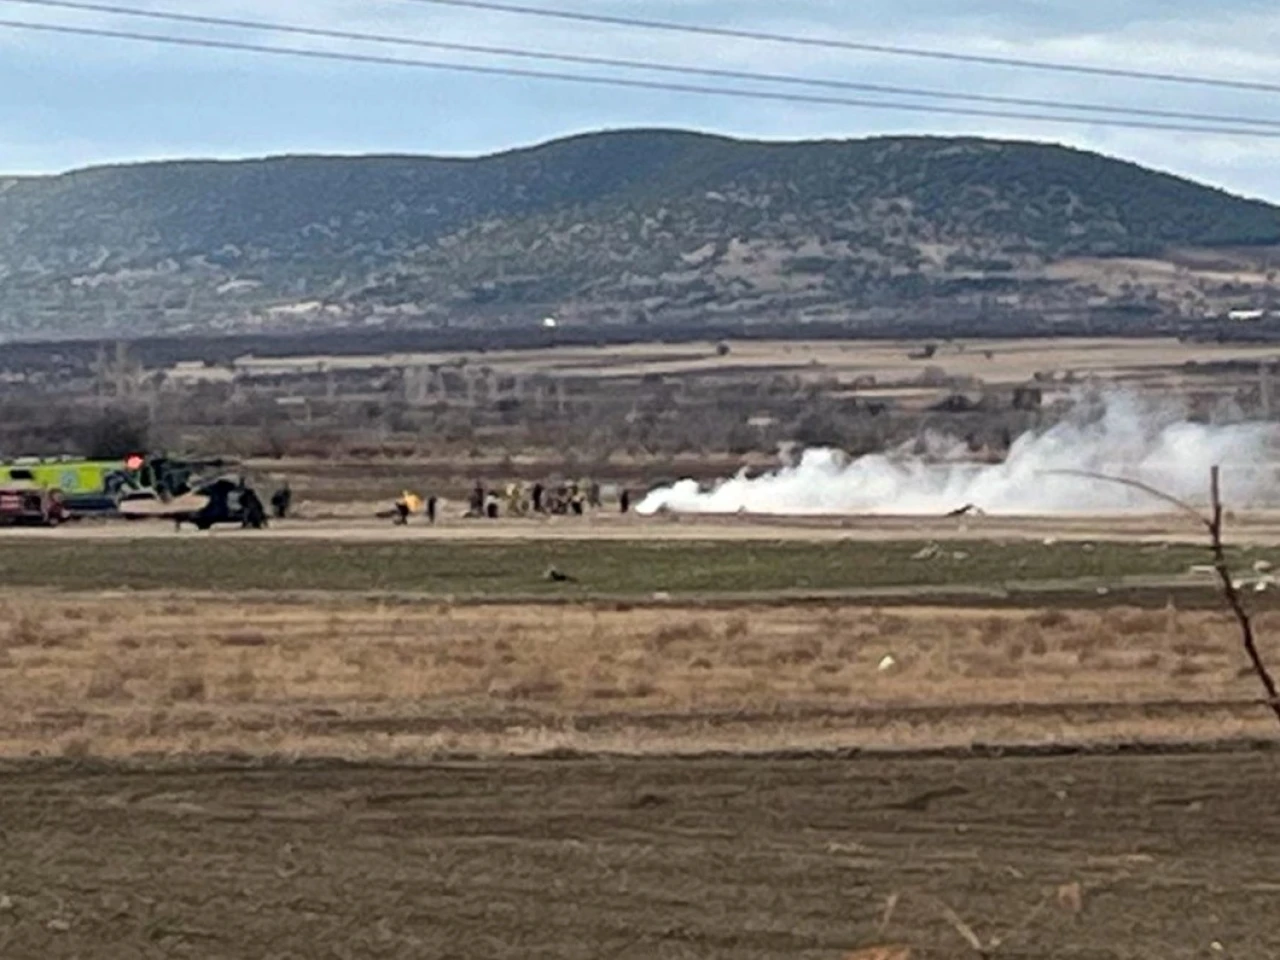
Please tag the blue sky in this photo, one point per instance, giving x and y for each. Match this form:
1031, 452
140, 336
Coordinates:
68, 102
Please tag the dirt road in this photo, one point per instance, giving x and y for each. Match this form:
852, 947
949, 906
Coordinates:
1175, 857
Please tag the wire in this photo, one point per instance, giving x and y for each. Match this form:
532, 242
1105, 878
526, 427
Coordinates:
786, 79
628, 83
888, 49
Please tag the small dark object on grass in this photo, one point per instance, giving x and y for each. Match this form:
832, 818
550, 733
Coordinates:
558, 576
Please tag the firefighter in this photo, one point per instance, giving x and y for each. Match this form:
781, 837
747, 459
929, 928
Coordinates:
407, 503
280, 501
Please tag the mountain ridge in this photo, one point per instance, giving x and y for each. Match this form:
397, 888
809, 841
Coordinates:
614, 226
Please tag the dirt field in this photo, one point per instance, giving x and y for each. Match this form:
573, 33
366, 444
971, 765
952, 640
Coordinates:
1084, 857
993, 361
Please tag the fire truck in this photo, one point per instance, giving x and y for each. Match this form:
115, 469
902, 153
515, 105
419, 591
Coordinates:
96, 487
26, 503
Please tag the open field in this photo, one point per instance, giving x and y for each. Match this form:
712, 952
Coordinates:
1004, 361
125, 675
1081, 858
739, 737
426, 566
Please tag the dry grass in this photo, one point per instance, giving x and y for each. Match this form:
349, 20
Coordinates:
117, 675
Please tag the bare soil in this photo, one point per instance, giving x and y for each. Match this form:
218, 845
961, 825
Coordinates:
1094, 857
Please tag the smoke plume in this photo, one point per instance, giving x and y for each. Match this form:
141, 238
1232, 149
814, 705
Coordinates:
1117, 434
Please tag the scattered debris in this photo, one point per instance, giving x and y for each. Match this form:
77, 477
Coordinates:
887, 662
923, 801
1071, 897
927, 552
1262, 566
960, 556
925, 351
967, 509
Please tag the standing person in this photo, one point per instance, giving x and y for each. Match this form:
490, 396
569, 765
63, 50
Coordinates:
254, 514
537, 497
477, 500
593, 495
280, 501
624, 500
407, 504
431, 509
513, 499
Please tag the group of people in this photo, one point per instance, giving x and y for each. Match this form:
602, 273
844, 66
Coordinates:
515, 500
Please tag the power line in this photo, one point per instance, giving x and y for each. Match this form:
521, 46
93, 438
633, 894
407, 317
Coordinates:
670, 68
888, 49
630, 83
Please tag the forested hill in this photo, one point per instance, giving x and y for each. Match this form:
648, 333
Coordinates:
619, 227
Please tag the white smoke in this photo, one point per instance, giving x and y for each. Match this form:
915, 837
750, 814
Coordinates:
1117, 434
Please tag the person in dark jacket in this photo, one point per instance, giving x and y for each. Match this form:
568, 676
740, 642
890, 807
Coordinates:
280, 501
255, 514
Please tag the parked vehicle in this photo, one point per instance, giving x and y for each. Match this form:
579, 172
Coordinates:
95, 488
26, 503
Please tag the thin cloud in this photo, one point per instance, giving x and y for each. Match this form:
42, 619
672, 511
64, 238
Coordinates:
304, 104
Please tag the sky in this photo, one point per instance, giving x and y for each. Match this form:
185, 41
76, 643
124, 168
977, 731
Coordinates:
68, 102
